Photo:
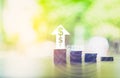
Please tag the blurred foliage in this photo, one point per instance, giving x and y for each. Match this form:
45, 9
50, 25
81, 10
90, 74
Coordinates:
96, 17
69, 13
2, 32
91, 14
104, 16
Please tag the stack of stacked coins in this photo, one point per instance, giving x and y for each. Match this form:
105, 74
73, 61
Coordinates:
75, 57
90, 57
59, 56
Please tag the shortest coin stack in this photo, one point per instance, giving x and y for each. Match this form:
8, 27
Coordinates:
107, 59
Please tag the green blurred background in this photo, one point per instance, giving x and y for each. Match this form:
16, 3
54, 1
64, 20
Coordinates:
94, 17
26, 27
